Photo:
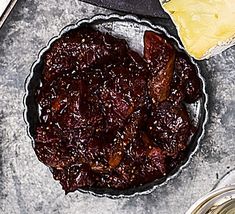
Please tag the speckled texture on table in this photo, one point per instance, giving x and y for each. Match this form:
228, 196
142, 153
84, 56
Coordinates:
27, 186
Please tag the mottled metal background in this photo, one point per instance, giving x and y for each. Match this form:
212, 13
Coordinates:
26, 185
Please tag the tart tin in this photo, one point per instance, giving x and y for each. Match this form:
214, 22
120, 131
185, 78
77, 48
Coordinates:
132, 30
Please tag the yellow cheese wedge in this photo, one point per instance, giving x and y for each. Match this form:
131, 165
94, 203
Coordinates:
206, 27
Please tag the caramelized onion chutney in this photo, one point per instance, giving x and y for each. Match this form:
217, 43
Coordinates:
110, 118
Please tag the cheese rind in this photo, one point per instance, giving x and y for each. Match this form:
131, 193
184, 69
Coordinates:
205, 27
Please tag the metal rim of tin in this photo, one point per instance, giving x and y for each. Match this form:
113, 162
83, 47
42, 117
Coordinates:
220, 199
145, 189
211, 202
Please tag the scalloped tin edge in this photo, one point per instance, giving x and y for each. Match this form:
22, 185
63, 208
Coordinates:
104, 18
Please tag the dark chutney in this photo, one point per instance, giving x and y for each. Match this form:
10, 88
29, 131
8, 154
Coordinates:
110, 118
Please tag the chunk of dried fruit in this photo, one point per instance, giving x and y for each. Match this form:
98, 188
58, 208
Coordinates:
161, 57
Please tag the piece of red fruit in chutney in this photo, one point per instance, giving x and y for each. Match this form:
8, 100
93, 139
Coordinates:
160, 56
110, 118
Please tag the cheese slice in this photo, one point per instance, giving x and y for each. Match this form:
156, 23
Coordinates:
206, 27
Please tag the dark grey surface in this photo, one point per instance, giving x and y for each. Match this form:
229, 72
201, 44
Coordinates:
26, 185
141, 7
